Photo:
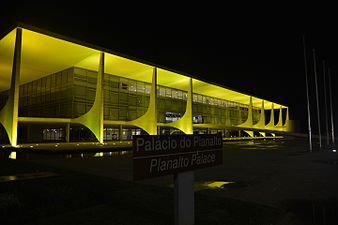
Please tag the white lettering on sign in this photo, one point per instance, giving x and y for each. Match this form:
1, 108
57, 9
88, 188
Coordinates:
155, 143
160, 165
200, 141
202, 158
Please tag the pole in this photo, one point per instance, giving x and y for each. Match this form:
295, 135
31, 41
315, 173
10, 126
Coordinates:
331, 109
325, 101
307, 96
317, 97
184, 182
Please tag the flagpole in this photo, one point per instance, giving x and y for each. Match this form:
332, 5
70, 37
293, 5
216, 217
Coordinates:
331, 109
307, 96
317, 97
325, 101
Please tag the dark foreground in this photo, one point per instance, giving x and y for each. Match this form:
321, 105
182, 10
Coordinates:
273, 183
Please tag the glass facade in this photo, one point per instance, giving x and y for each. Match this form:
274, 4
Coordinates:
50, 96
71, 93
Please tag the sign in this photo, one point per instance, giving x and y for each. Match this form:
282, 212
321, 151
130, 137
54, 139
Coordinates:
159, 155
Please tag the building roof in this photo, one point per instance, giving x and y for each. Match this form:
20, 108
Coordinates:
44, 53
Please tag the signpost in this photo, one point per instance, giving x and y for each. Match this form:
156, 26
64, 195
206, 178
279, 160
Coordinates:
180, 155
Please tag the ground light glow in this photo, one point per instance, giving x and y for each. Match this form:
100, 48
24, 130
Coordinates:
98, 154
205, 185
12, 155
219, 184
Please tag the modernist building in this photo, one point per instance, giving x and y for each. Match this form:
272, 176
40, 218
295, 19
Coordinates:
53, 89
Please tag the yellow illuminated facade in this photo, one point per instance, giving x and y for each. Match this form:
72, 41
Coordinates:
58, 90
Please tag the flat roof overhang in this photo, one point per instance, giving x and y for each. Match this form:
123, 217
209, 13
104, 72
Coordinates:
44, 54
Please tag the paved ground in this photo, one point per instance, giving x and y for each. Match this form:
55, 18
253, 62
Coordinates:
271, 171
281, 174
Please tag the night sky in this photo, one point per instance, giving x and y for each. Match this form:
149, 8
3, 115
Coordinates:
255, 52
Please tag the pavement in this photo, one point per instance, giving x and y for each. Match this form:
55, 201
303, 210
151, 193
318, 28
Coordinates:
283, 174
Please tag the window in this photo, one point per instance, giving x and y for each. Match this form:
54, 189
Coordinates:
132, 86
147, 89
53, 134
168, 92
140, 87
110, 134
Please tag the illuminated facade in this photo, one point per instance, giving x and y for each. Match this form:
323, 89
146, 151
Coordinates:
57, 90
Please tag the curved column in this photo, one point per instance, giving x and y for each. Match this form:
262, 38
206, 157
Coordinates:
248, 122
249, 132
93, 119
9, 113
185, 122
262, 133
280, 118
271, 123
148, 122
261, 123
287, 125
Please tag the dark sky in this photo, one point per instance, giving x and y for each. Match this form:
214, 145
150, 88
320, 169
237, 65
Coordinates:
258, 52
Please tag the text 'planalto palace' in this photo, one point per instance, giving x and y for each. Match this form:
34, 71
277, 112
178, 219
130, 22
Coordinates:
56, 90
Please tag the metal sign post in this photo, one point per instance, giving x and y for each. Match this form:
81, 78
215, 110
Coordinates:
184, 198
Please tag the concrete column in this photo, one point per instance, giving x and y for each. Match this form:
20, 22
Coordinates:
271, 124
99, 95
67, 130
185, 123
249, 120
9, 113
93, 119
148, 122
280, 118
120, 132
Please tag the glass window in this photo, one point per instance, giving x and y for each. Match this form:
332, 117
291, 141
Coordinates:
92, 75
58, 80
64, 77
179, 94
123, 113
168, 92
113, 97
162, 91
204, 100
147, 88
124, 84
113, 113
211, 101
43, 85
185, 96
194, 98
90, 94
79, 91
123, 98
48, 80
80, 108
132, 100
111, 134
70, 76
140, 87
175, 94
79, 71
132, 86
